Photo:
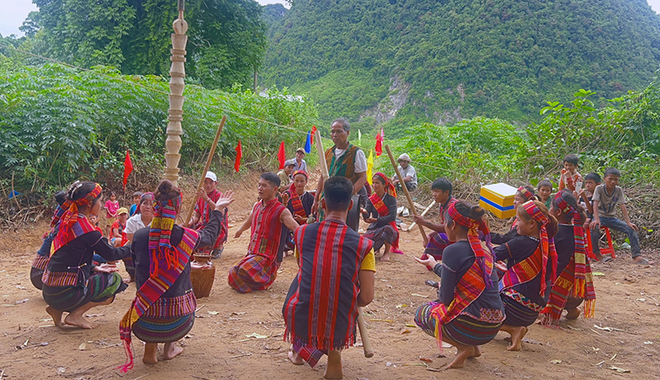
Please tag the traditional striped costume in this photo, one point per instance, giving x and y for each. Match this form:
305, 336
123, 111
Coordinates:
469, 310
321, 307
384, 230
438, 241
344, 166
204, 210
298, 204
258, 269
40, 262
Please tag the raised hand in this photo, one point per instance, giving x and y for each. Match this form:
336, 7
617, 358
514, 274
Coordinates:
225, 200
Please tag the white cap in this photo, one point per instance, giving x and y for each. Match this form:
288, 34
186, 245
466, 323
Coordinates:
211, 176
404, 157
290, 162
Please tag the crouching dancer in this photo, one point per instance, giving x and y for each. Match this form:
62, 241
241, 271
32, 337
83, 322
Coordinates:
336, 276
163, 310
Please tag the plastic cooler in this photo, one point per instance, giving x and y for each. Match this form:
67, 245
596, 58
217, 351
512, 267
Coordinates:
498, 199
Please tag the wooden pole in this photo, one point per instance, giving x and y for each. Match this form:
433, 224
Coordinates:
209, 159
362, 326
405, 191
422, 214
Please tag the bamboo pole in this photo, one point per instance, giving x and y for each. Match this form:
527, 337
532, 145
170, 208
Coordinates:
405, 191
209, 159
362, 326
422, 214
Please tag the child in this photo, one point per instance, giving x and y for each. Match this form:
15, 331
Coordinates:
111, 207
570, 178
591, 180
380, 212
574, 279
117, 235
469, 310
531, 261
605, 199
441, 188
524, 194
544, 189
336, 276
136, 200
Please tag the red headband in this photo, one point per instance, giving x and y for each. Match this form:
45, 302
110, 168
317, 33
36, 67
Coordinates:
389, 188
526, 194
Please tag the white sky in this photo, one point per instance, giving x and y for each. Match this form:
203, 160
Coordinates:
15, 11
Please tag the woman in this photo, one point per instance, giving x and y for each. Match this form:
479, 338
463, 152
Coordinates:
43, 254
524, 194
531, 261
71, 282
469, 310
298, 201
380, 211
144, 212
163, 310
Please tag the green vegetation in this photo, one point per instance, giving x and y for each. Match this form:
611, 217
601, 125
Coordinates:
492, 58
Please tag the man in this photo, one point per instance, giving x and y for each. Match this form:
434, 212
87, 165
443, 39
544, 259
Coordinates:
208, 195
285, 174
346, 160
407, 172
299, 162
438, 239
258, 269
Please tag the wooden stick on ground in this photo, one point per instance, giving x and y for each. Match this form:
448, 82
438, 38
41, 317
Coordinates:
209, 159
422, 214
366, 344
405, 191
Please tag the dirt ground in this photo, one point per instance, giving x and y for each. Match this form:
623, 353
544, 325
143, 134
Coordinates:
622, 341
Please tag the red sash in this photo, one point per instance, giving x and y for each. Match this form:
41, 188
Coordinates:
382, 209
296, 202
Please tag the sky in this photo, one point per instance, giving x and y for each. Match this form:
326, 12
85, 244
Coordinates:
15, 11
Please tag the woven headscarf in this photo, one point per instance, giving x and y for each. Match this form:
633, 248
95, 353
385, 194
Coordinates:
69, 218
547, 244
161, 233
292, 188
144, 197
526, 194
389, 187
473, 237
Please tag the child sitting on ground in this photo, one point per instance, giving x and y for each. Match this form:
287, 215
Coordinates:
543, 191
605, 199
570, 178
117, 235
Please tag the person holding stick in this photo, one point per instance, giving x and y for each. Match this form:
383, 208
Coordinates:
207, 196
336, 276
380, 212
346, 160
438, 239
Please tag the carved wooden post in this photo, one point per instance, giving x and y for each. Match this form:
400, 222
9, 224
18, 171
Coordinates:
177, 85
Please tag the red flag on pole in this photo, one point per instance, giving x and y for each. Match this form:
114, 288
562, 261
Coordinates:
239, 155
128, 168
379, 143
281, 155
313, 133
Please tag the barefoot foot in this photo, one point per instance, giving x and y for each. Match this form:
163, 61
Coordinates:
56, 315
517, 333
150, 353
572, 313
171, 350
476, 352
295, 358
79, 321
334, 370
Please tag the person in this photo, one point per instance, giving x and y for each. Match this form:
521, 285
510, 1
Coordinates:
531, 261
524, 194
298, 201
258, 269
111, 207
585, 196
207, 196
144, 213
468, 311
299, 163
346, 160
438, 240
574, 281
380, 212
70, 282
285, 175
117, 236
136, 201
335, 277
407, 171
43, 254
570, 178
544, 189
606, 197
163, 310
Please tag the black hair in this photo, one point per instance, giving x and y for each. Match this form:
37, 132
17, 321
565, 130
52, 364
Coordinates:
442, 184
593, 177
137, 194
346, 126
112, 193
337, 192
543, 183
571, 159
60, 197
568, 197
80, 189
272, 178
468, 210
612, 171
380, 179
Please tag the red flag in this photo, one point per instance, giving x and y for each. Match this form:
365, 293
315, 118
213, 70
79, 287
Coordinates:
128, 168
313, 133
281, 155
239, 155
379, 143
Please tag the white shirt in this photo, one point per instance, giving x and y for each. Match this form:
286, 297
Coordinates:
360, 159
134, 223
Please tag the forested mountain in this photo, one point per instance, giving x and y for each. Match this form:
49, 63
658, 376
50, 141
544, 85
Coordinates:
401, 62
